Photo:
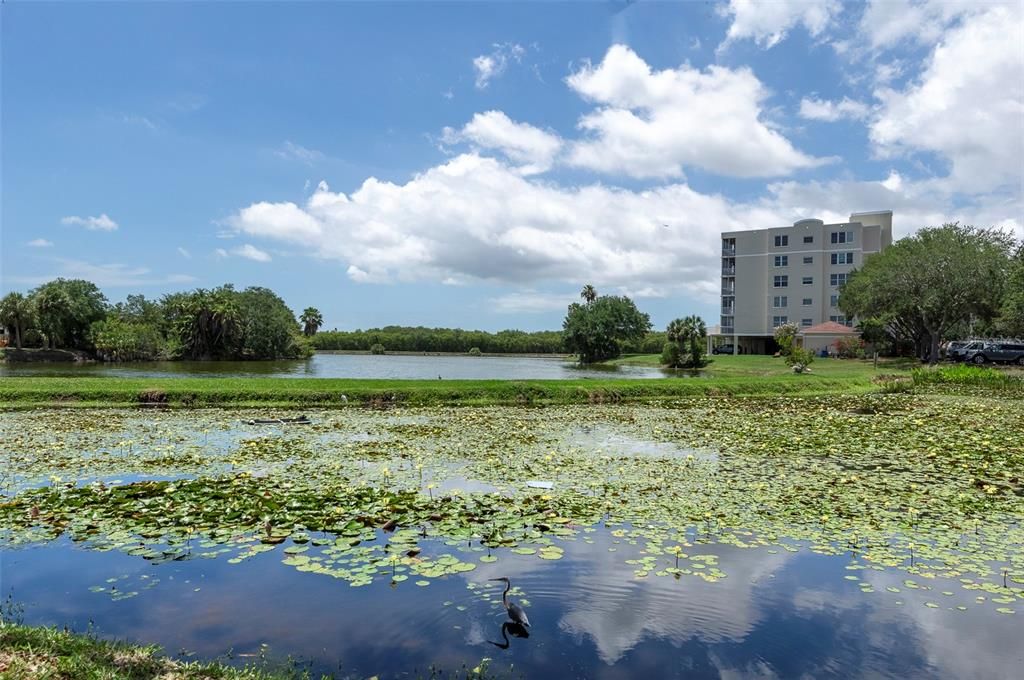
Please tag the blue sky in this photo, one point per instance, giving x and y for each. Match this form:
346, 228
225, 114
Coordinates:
474, 164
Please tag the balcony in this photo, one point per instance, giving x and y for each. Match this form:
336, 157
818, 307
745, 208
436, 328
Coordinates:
728, 290
728, 271
727, 330
728, 311
728, 251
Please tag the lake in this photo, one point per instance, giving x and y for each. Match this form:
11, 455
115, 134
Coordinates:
390, 366
713, 538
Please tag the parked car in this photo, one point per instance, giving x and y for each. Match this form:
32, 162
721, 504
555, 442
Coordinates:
958, 351
998, 352
725, 349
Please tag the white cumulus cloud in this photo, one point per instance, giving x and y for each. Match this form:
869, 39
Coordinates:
823, 109
101, 223
40, 243
967, 106
493, 65
478, 219
532, 148
251, 252
654, 123
768, 22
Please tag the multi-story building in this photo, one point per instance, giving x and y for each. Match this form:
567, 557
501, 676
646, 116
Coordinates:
792, 274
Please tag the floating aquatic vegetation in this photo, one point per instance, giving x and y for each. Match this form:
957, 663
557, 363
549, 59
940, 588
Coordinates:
931, 486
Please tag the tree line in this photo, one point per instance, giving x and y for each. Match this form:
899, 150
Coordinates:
216, 323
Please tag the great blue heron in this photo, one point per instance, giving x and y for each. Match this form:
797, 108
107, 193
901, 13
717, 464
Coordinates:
515, 612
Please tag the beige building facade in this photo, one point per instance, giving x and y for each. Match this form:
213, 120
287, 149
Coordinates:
792, 274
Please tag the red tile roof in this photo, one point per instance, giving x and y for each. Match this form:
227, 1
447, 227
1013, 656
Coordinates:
828, 328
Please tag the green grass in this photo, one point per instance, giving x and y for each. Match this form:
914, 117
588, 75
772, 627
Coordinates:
107, 391
42, 653
27, 653
757, 365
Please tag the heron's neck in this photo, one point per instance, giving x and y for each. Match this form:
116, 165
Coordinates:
504, 595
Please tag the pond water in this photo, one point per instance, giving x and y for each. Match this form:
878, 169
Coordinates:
390, 366
707, 539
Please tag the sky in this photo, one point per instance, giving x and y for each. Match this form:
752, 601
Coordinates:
474, 165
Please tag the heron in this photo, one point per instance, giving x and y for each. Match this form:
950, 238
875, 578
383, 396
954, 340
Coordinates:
515, 612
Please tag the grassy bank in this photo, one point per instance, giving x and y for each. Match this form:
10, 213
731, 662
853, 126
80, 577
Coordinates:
38, 653
92, 391
27, 653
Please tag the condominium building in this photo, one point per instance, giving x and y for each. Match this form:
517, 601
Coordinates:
792, 274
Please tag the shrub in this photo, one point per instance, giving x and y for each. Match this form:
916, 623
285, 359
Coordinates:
785, 335
849, 348
474, 352
799, 358
377, 348
670, 354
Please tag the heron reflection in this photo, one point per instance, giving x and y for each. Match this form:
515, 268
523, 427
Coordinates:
517, 629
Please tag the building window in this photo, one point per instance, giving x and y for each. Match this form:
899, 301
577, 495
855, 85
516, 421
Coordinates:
781, 241
842, 237
780, 301
834, 301
808, 239
781, 281
807, 280
837, 279
842, 258
779, 320
782, 260
807, 302
845, 320
806, 322
809, 259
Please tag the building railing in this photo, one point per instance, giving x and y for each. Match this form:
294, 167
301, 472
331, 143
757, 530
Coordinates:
728, 311
727, 330
728, 271
728, 290
728, 251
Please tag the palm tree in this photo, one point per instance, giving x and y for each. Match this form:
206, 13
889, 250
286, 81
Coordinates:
689, 334
311, 320
589, 293
16, 313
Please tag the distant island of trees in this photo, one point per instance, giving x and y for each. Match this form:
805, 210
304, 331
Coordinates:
228, 324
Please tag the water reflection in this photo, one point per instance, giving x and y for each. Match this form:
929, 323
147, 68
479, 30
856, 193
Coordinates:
356, 366
777, 614
516, 630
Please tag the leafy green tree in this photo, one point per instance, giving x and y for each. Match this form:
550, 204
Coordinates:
207, 323
797, 357
311, 320
689, 335
785, 336
16, 314
595, 330
137, 309
66, 308
1011, 318
932, 280
874, 332
267, 327
118, 340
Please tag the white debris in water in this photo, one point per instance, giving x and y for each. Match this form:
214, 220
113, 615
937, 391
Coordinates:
535, 484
